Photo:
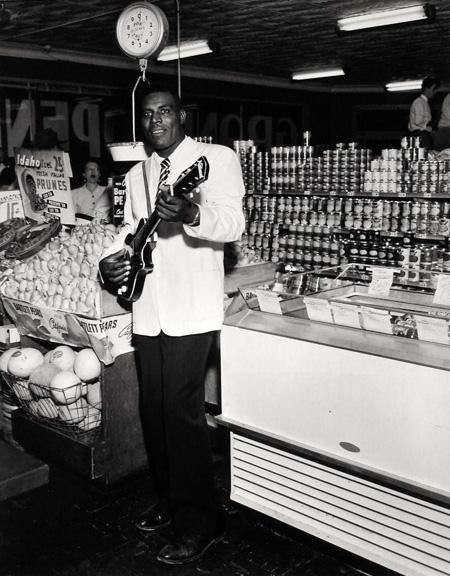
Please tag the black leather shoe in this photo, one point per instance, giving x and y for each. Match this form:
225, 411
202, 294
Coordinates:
154, 519
188, 549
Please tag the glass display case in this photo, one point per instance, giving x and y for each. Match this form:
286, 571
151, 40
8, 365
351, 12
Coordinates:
412, 303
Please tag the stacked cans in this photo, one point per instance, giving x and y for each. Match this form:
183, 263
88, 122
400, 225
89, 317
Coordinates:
340, 170
204, 139
394, 174
255, 167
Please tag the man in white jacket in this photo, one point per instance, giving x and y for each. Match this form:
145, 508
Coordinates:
176, 317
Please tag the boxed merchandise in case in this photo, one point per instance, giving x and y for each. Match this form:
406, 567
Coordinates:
396, 311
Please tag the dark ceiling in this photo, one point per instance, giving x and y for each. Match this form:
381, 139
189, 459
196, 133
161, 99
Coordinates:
260, 40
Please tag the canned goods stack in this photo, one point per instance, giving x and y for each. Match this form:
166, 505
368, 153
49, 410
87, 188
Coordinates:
423, 217
307, 247
255, 167
204, 139
394, 173
339, 171
369, 247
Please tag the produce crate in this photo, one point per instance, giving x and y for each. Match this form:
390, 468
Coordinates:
109, 335
65, 409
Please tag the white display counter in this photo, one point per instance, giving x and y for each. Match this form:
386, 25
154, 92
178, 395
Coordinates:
342, 434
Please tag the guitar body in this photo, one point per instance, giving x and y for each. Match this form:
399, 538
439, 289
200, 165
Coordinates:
141, 264
139, 246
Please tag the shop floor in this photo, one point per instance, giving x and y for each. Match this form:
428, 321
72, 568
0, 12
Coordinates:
19, 472
70, 527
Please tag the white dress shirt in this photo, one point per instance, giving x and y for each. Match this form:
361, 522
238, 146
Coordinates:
420, 114
184, 293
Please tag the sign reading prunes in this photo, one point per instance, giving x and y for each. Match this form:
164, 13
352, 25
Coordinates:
43, 177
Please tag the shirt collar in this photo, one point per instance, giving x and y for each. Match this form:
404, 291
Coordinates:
178, 150
424, 97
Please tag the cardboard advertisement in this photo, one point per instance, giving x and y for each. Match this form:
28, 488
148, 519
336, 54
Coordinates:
109, 337
119, 196
44, 180
10, 205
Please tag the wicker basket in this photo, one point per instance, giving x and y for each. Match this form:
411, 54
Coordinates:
65, 409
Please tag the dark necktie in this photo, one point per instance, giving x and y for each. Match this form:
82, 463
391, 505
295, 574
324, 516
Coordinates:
164, 171
163, 174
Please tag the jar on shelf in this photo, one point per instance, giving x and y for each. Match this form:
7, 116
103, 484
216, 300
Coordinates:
357, 222
433, 225
434, 209
307, 259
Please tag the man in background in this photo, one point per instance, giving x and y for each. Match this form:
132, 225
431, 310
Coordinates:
420, 118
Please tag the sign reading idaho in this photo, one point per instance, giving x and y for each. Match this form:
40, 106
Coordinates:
44, 184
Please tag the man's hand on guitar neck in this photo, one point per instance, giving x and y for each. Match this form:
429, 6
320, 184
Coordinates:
175, 208
115, 269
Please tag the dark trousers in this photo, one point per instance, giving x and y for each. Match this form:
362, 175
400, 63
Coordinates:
172, 401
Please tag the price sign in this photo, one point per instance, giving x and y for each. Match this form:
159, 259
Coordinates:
432, 329
442, 294
376, 320
268, 301
381, 283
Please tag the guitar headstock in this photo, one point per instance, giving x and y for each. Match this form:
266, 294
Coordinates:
192, 177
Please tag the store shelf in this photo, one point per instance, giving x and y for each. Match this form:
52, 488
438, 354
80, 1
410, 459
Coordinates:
401, 196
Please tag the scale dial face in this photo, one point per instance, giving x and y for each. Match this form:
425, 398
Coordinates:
142, 30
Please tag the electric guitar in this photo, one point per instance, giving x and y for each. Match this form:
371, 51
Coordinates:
141, 250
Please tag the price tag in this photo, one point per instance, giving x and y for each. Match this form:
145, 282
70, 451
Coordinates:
376, 320
442, 293
375, 194
268, 301
318, 309
432, 329
426, 195
402, 194
381, 281
346, 314
350, 194
333, 193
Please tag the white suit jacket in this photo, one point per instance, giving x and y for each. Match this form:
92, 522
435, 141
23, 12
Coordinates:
184, 293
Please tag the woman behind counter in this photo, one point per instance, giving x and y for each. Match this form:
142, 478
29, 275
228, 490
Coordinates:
92, 201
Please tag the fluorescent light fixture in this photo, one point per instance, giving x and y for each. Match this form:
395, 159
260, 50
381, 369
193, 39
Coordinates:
324, 73
386, 18
187, 49
404, 86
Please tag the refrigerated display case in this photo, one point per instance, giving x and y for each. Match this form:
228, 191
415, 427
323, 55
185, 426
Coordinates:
341, 432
